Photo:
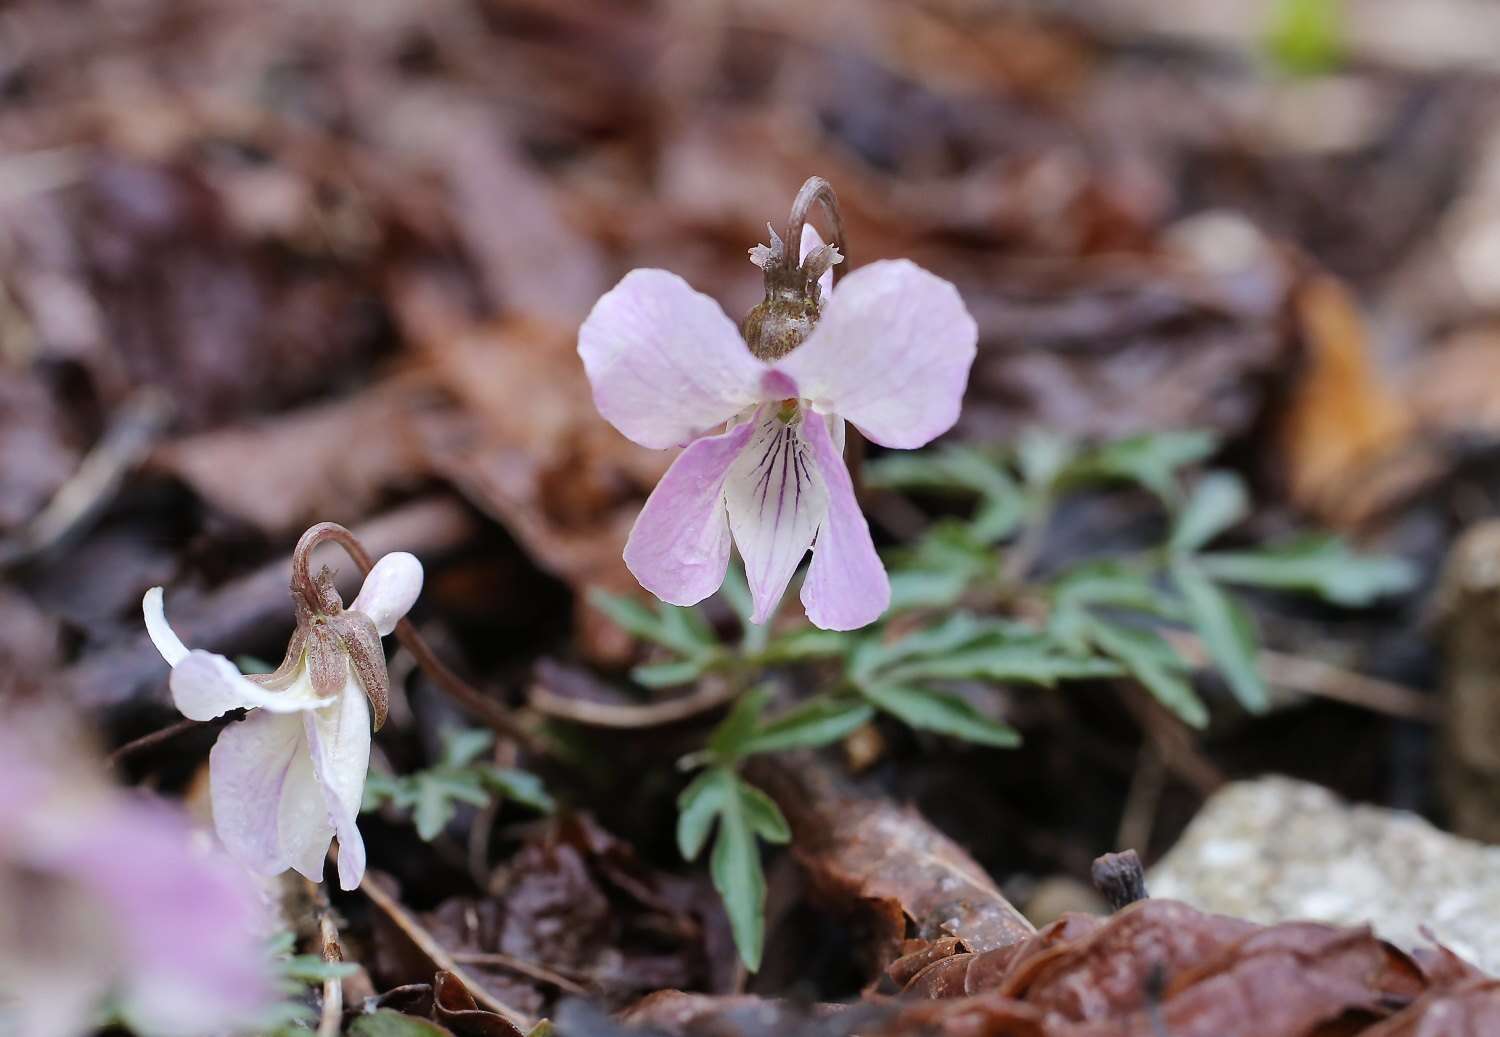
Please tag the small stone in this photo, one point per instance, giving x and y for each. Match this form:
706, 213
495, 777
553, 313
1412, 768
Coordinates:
1317, 858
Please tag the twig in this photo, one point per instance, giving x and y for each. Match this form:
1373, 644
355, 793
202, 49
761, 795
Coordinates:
1143, 798
1314, 677
1173, 740
440, 958
132, 430
458, 689
1120, 877
149, 741
627, 716
328, 939
537, 972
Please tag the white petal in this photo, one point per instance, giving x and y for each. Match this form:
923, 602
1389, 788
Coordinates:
338, 737
665, 363
267, 803
162, 635
205, 685
811, 239
776, 498
390, 590
891, 353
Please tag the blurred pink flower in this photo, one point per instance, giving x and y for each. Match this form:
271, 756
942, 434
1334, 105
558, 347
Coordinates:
106, 902
890, 353
290, 776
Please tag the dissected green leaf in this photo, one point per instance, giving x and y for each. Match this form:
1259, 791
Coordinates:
1036, 662
519, 786
669, 626
672, 674
697, 807
433, 795
437, 794
1151, 661
1043, 456
742, 813
927, 589
1218, 501
1152, 460
465, 745
728, 739
815, 722
1227, 631
807, 643
1321, 565
941, 712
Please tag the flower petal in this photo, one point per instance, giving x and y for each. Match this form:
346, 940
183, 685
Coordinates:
390, 590
205, 685
846, 585
338, 738
679, 546
811, 239
162, 635
665, 363
776, 498
268, 806
891, 353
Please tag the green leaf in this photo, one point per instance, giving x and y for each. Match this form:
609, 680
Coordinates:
762, 814
1227, 631
807, 643
1043, 456
728, 739
1217, 502
438, 792
1113, 585
1306, 37
816, 722
307, 969
743, 813
697, 807
1321, 565
957, 630
1033, 663
519, 786
380, 788
1151, 460
1152, 662
664, 625
672, 674
385, 1022
735, 868
940, 712
927, 589
464, 746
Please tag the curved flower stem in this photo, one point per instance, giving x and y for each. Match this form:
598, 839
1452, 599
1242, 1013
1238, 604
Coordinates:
148, 741
458, 689
814, 189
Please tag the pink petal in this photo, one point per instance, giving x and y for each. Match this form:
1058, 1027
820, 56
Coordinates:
679, 547
665, 362
267, 804
338, 738
390, 590
776, 498
811, 239
846, 586
205, 686
891, 353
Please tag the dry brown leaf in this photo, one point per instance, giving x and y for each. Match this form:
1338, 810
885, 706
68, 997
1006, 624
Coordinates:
332, 461
1343, 425
889, 863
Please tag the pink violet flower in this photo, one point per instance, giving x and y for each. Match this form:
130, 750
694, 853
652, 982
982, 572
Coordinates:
106, 898
290, 776
890, 353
